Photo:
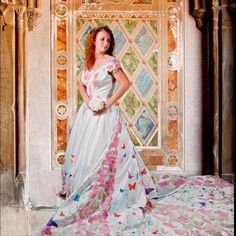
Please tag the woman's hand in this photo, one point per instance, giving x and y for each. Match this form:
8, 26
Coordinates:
107, 105
101, 111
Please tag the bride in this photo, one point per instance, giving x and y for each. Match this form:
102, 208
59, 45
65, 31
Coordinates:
107, 189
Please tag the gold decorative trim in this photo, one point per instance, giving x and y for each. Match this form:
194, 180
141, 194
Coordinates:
199, 16
121, 5
20, 10
33, 15
115, 2
117, 14
3, 7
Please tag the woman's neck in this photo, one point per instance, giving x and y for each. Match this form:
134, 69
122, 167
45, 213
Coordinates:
99, 55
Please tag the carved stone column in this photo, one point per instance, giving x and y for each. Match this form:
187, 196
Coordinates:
215, 76
2, 9
13, 68
199, 13
228, 91
20, 111
8, 192
33, 15
220, 52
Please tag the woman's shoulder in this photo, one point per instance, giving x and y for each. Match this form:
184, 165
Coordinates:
110, 58
112, 63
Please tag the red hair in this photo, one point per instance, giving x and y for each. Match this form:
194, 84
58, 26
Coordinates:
90, 45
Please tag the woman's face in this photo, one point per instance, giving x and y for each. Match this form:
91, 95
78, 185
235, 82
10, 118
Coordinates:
102, 42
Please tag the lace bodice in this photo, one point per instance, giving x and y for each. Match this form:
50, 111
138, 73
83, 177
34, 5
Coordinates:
98, 82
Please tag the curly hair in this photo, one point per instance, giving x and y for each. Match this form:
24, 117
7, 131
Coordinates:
90, 45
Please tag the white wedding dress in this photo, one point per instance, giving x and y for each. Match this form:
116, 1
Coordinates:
109, 190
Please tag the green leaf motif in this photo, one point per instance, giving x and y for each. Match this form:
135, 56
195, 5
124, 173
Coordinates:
153, 103
153, 62
130, 25
103, 22
153, 24
154, 140
79, 100
134, 140
79, 24
79, 62
131, 104
130, 61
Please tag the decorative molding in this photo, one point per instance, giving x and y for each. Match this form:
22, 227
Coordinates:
3, 2
117, 2
199, 16
20, 10
33, 15
116, 14
3, 6
121, 5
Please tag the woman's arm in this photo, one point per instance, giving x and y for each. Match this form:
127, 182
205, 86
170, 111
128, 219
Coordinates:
124, 86
82, 90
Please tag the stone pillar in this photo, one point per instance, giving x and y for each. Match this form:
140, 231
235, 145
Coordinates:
20, 111
214, 62
7, 113
13, 35
220, 36
227, 93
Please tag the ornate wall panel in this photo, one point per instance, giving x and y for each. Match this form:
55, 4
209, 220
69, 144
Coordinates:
149, 48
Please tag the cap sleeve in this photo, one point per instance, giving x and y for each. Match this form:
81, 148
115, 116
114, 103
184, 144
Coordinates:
113, 66
83, 76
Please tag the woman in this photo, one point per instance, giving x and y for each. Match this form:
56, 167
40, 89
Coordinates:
107, 188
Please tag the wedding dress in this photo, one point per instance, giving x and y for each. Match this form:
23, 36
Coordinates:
109, 190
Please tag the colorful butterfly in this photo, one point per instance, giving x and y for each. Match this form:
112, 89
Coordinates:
202, 204
116, 215
52, 223
148, 190
124, 155
143, 172
155, 232
77, 197
142, 209
62, 214
123, 146
132, 186
129, 175
122, 190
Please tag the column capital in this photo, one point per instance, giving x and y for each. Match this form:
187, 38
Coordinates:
33, 15
199, 16
20, 10
3, 6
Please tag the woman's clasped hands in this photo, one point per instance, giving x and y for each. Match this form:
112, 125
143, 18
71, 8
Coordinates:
98, 106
